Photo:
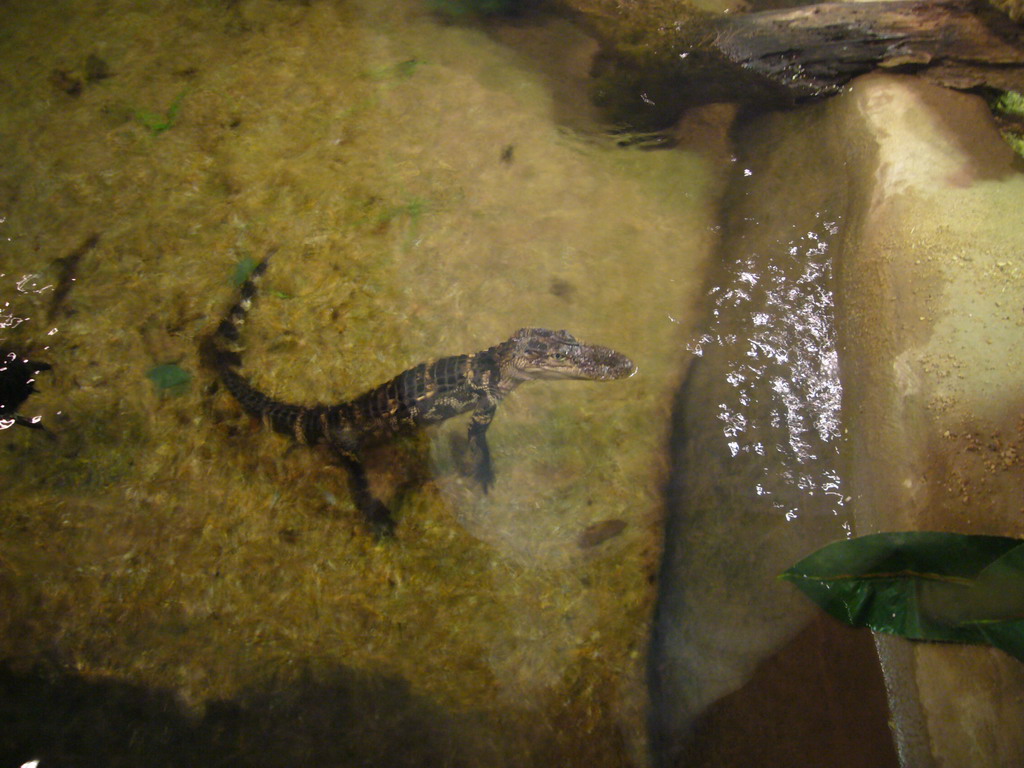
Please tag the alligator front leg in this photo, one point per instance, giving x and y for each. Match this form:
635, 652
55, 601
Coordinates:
478, 424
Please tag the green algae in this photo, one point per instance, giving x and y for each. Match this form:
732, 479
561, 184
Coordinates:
1008, 107
1015, 140
1010, 103
158, 122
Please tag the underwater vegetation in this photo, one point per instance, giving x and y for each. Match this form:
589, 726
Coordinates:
1008, 108
157, 122
1011, 103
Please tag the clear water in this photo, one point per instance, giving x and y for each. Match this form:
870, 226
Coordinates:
430, 188
739, 667
196, 586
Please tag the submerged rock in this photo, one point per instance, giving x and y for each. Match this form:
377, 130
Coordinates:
928, 288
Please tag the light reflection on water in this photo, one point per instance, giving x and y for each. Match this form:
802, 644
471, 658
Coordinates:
7, 317
789, 355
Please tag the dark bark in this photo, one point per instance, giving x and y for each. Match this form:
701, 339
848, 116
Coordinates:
653, 64
813, 50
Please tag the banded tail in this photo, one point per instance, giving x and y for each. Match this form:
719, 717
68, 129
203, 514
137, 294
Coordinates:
225, 358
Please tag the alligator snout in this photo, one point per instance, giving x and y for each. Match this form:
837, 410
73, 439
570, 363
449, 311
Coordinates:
604, 364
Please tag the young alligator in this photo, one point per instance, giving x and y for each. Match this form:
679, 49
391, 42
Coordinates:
427, 394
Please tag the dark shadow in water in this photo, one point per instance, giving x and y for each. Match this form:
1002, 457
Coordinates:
820, 700
352, 719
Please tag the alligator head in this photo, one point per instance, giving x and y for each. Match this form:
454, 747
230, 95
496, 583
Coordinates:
537, 353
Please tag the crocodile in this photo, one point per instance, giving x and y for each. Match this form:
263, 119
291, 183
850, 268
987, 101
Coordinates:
426, 394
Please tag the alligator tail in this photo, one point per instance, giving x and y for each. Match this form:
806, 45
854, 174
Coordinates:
222, 352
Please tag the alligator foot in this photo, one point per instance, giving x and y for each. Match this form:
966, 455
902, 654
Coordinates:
475, 462
484, 473
379, 518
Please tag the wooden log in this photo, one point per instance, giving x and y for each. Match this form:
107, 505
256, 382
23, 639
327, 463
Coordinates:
657, 58
813, 50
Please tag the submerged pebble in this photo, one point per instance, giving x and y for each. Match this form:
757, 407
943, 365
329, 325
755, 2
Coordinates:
598, 533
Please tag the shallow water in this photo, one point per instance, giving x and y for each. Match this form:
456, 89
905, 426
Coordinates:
430, 188
178, 584
756, 484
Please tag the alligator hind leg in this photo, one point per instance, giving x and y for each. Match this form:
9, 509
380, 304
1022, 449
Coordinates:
478, 424
377, 515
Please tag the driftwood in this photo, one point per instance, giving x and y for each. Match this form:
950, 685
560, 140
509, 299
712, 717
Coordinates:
657, 58
813, 50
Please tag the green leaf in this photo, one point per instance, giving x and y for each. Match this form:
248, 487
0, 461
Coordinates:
170, 378
242, 271
923, 586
